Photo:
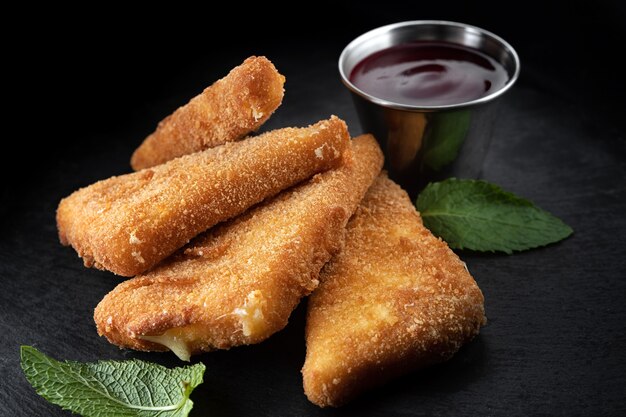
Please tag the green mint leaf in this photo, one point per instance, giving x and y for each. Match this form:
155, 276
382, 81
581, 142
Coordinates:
477, 215
112, 388
445, 138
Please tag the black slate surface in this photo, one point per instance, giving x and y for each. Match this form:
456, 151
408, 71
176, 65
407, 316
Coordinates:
556, 339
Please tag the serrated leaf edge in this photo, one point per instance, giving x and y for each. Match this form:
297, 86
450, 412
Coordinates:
435, 188
26, 351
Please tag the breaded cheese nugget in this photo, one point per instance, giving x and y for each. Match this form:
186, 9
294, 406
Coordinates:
127, 224
226, 111
238, 283
394, 300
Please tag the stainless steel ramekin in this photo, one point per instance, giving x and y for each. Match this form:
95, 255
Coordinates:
428, 143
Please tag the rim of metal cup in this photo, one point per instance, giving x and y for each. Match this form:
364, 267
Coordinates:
385, 30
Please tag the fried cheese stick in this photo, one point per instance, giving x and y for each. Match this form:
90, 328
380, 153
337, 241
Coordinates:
127, 224
226, 111
238, 283
394, 300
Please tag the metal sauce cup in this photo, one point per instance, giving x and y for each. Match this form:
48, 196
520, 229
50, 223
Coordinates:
429, 143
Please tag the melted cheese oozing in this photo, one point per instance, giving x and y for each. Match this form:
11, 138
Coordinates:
171, 340
251, 314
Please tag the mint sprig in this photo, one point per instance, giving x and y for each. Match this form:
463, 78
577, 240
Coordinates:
112, 388
477, 215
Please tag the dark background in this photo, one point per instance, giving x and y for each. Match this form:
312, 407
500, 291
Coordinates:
83, 92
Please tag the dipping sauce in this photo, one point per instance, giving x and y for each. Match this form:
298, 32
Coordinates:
429, 73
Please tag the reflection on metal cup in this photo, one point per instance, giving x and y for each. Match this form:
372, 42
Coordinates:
405, 137
429, 143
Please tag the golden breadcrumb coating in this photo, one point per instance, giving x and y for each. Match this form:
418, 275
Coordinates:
239, 282
226, 111
127, 224
394, 300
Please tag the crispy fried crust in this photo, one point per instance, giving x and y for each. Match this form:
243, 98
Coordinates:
226, 111
394, 300
238, 283
127, 224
